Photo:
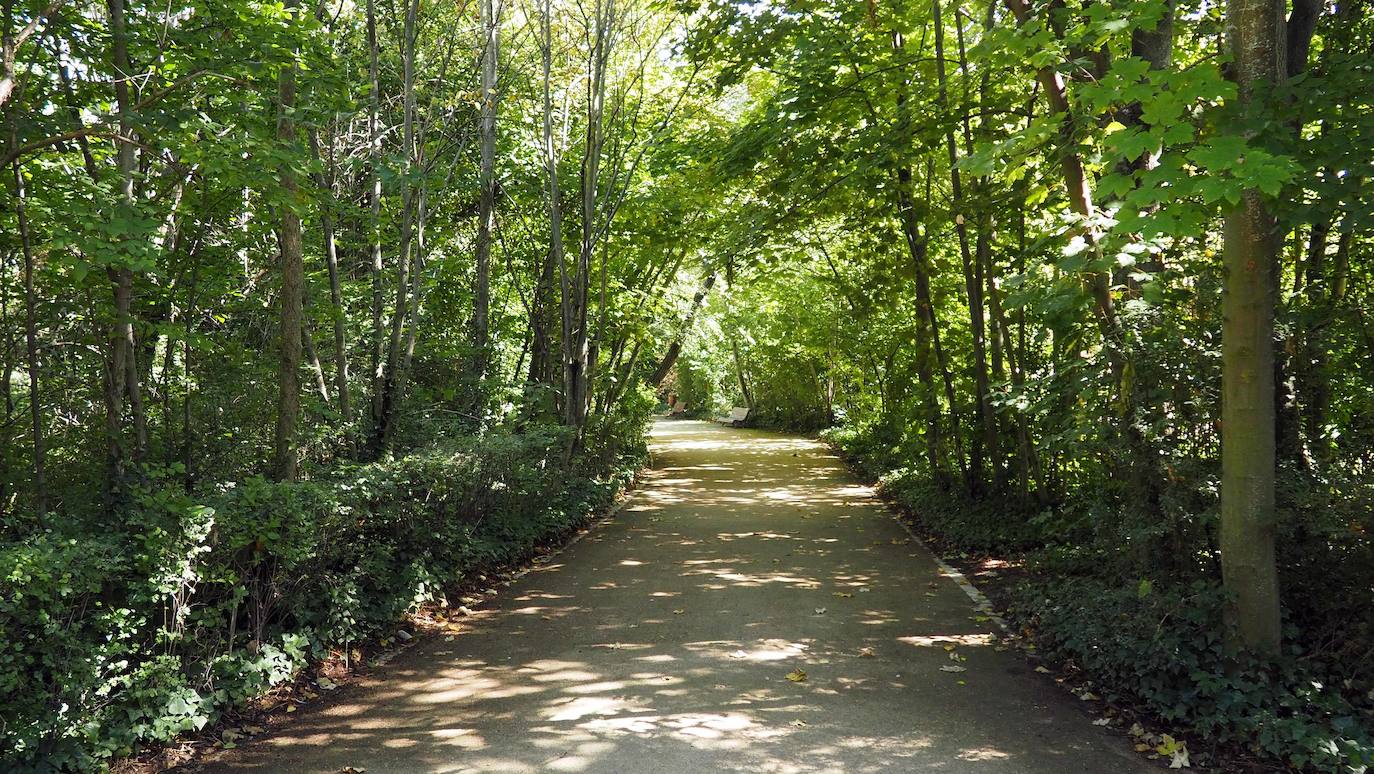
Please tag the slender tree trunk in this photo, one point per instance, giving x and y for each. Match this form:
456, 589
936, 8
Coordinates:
384, 422
925, 323
331, 258
1248, 528
312, 356
40, 485
556, 256
486, 208
665, 364
374, 135
1077, 186
541, 346
577, 345
987, 438
417, 262
286, 455
121, 374
739, 374
1142, 461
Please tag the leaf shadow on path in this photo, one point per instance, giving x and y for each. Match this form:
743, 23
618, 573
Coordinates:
662, 643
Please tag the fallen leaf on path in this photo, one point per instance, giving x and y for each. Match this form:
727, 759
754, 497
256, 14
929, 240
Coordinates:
739, 654
799, 723
1102, 722
797, 676
953, 668
326, 684
820, 611
352, 770
290, 708
1042, 670
679, 612
843, 594
866, 653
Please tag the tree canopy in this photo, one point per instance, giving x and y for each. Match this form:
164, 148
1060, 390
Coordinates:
308, 312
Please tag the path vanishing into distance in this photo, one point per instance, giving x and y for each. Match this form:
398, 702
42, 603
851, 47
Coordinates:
663, 641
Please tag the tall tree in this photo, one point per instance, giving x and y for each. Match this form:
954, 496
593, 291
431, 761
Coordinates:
286, 455
1248, 528
486, 208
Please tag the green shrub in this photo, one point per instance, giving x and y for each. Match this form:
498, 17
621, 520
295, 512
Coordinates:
1164, 650
112, 639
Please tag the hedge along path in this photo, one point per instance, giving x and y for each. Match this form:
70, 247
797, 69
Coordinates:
751, 608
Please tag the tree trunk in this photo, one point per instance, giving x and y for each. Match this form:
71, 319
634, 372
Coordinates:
378, 348
121, 373
973, 286
1248, 565
556, 256
384, 421
577, 345
486, 207
40, 486
331, 258
925, 323
286, 456
665, 364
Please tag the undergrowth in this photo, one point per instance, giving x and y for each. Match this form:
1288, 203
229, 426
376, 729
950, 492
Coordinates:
115, 638
1147, 630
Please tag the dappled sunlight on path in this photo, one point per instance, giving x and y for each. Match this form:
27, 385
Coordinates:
663, 642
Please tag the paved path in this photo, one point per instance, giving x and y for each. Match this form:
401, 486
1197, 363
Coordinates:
661, 643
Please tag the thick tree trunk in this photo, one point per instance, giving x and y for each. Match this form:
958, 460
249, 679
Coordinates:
1248, 565
286, 456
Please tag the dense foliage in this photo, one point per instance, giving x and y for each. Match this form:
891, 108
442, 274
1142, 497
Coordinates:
306, 313
289, 341
993, 243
